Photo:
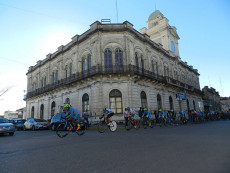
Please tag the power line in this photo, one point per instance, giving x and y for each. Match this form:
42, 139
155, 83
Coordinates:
39, 13
13, 60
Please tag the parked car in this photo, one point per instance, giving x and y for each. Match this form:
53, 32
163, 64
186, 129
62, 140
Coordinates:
18, 122
56, 120
35, 124
6, 127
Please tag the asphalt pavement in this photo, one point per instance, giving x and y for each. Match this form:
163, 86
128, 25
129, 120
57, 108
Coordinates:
198, 148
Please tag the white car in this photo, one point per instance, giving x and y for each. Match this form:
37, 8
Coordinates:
35, 124
6, 127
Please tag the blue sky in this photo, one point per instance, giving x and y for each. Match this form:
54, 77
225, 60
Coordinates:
29, 30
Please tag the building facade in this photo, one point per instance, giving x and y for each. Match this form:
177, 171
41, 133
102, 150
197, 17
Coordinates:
211, 99
114, 65
11, 114
225, 103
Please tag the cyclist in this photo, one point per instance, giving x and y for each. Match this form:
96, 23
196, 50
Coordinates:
109, 113
147, 115
163, 116
72, 114
132, 114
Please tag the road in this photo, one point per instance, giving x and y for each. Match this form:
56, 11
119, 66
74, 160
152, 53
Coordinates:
198, 148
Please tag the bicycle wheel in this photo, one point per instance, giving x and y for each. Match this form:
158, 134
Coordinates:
152, 123
102, 126
145, 123
113, 127
63, 130
138, 125
129, 125
81, 131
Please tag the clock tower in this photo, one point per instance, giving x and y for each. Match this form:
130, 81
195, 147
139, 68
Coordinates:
162, 33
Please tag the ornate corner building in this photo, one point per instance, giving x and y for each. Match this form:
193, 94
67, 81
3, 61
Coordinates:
116, 66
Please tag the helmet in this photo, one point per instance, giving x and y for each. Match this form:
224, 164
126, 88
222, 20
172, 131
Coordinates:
128, 108
145, 109
67, 106
160, 110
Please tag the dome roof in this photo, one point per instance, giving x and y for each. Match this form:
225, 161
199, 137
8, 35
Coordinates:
154, 15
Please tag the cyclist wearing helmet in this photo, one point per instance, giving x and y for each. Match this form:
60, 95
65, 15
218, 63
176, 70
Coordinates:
132, 114
147, 115
109, 113
72, 114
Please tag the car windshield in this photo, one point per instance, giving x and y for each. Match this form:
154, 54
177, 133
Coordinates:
39, 120
20, 121
3, 120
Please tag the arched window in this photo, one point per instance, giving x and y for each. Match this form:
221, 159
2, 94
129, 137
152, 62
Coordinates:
67, 101
89, 62
42, 111
188, 108
171, 103
56, 76
53, 105
70, 69
119, 58
85, 102
66, 72
144, 100
115, 101
175, 74
108, 59
44, 81
166, 71
32, 112
159, 102
194, 105
53, 78
154, 67
136, 60
83, 65
142, 64
42, 84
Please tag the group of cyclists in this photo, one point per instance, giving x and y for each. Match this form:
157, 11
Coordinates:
159, 116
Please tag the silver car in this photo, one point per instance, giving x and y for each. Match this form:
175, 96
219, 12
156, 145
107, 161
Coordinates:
35, 124
6, 127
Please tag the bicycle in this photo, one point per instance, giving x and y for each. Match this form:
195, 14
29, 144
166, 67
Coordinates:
148, 122
131, 124
162, 121
66, 127
102, 125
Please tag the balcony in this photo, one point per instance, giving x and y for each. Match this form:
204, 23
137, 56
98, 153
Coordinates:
101, 70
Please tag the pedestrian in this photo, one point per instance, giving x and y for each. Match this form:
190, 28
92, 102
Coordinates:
86, 117
126, 117
141, 111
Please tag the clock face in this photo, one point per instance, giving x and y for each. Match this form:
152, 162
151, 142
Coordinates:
172, 46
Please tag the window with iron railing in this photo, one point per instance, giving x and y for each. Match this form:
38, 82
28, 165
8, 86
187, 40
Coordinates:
119, 58
89, 62
108, 59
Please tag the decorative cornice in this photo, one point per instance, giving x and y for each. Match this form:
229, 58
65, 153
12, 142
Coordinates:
98, 27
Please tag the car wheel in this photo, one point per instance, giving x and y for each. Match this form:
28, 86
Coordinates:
11, 133
33, 128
